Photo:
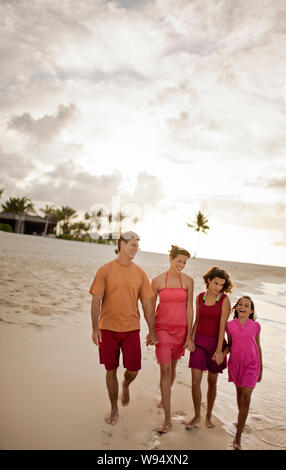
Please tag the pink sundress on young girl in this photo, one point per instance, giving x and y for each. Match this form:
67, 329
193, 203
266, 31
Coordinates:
244, 360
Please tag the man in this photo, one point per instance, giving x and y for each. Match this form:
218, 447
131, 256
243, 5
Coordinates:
116, 288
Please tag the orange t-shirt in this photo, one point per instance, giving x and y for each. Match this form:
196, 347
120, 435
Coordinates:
121, 286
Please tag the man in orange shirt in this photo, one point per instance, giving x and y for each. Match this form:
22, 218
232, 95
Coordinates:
116, 288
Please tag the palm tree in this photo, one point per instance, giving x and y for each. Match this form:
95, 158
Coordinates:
200, 225
65, 214
96, 219
50, 214
20, 207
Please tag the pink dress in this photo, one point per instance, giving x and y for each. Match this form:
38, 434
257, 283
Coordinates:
244, 360
171, 323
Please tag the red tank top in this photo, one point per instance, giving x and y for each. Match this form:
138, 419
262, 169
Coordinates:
209, 316
171, 313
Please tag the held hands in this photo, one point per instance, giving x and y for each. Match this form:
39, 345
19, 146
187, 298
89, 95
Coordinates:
190, 345
96, 337
218, 357
151, 339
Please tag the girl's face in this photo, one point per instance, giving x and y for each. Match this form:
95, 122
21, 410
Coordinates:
215, 285
243, 308
179, 262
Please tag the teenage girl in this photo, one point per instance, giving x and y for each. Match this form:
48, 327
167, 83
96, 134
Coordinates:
173, 323
212, 312
245, 361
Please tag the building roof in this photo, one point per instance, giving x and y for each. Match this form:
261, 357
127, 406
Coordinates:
26, 218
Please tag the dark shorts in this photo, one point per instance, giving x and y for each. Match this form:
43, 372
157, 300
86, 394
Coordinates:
201, 358
114, 341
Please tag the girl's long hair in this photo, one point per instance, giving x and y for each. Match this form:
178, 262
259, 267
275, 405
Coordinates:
252, 316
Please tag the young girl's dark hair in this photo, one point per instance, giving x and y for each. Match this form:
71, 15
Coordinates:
176, 251
252, 316
222, 274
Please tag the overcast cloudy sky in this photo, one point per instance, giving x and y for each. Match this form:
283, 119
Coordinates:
173, 105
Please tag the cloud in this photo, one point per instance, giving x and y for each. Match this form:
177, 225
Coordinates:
47, 127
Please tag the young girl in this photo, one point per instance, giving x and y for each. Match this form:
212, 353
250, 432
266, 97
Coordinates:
245, 361
212, 312
173, 322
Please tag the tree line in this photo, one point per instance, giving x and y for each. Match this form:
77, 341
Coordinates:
92, 228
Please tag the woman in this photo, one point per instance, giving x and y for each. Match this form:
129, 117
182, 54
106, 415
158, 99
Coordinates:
173, 323
212, 312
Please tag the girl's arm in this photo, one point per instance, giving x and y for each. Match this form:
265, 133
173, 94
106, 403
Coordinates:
218, 355
190, 314
226, 350
196, 322
260, 356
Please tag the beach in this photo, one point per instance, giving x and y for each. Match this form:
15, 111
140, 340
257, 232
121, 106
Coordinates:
53, 393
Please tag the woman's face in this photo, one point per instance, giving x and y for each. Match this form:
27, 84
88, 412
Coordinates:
243, 308
216, 285
179, 262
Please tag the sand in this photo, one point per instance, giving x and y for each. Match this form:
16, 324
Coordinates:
53, 393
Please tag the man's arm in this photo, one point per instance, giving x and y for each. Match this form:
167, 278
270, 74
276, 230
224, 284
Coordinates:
95, 311
148, 309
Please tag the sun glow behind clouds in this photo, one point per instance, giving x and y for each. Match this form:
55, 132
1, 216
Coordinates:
155, 102
224, 241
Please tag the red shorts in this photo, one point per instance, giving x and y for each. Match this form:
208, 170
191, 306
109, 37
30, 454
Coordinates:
128, 342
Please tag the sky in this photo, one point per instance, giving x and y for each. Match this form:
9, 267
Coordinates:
162, 108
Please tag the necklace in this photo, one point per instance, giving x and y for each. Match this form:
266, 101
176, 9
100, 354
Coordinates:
216, 300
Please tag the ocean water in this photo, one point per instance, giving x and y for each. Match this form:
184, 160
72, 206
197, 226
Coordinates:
65, 265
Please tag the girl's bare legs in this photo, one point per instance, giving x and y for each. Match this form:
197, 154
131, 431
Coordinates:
211, 396
243, 400
197, 397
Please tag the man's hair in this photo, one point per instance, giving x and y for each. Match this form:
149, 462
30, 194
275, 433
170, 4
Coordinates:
125, 237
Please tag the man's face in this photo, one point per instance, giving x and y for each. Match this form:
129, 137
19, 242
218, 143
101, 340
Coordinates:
130, 248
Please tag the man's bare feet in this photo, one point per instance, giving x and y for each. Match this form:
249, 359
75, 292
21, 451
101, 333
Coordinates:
193, 423
209, 423
125, 397
112, 417
165, 427
236, 444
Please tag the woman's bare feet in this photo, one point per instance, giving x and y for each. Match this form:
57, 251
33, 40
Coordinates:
193, 423
209, 423
125, 397
112, 417
165, 428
